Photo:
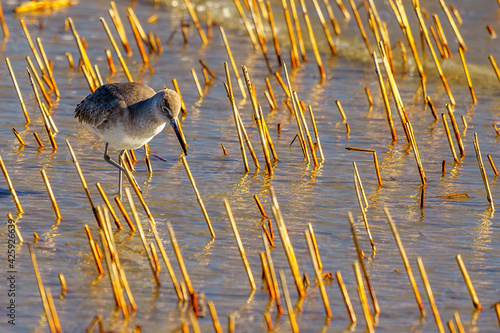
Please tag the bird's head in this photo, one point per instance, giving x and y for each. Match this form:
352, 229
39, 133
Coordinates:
170, 108
170, 104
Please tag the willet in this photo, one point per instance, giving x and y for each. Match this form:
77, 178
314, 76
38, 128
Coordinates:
128, 115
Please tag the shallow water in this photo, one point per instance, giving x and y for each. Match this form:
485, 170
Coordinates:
322, 196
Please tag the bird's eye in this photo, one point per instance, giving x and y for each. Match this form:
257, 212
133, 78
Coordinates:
165, 109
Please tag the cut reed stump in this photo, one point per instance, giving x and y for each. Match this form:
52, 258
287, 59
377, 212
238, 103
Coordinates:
51, 194
497, 312
296, 110
240, 245
82, 178
198, 196
5, 28
375, 162
43, 294
423, 27
362, 298
48, 122
298, 29
400, 13
16, 87
359, 252
143, 237
194, 17
64, 286
316, 135
180, 260
215, 318
274, 33
265, 143
115, 17
16, 229
430, 295
240, 128
233, 64
246, 23
294, 53
495, 171
272, 271
448, 136
467, 76
96, 252
468, 282
18, 137
316, 265
124, 213
108, 205
288, 301
495, 67
456, 130
11, 188
347, 299
115, 47
360, 26
459, 322
313, 41
385, 98
406, 262
35, 54
138, 40
453, 25
287, 245
48, 67
267, 276
483, 172
360, 190
302, 119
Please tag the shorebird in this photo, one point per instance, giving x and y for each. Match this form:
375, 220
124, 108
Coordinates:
128, 115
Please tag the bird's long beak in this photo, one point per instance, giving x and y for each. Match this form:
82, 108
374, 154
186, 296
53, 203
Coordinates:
175, 127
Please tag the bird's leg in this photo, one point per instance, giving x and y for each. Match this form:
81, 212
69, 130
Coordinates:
108, 159
120, 174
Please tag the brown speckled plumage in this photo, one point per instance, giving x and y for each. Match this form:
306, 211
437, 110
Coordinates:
109, 98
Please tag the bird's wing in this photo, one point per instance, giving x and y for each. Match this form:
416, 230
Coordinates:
98, 106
